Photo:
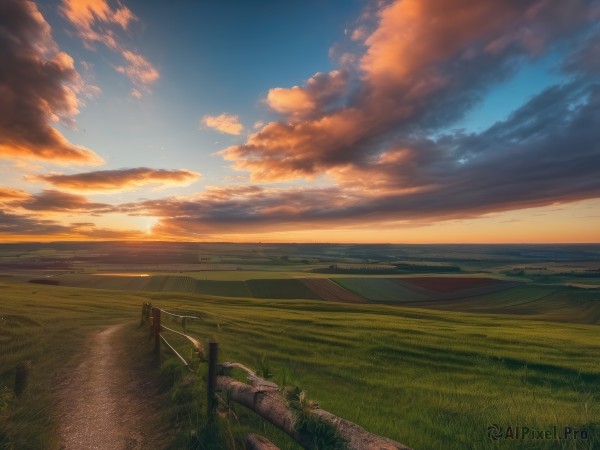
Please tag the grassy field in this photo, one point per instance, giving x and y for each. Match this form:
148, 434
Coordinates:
429, 379
430, 365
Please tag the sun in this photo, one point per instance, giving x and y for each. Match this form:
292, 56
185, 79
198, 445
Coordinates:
150, 224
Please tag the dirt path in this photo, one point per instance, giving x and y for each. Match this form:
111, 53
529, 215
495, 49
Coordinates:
107, 401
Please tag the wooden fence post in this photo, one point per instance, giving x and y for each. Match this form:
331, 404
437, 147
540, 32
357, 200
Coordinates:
144, 306
21, 377
156, 329
213, 356
149, 310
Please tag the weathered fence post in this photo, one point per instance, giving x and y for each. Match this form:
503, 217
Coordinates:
21, 377
143, 319
156, 329
149, 310
213, 356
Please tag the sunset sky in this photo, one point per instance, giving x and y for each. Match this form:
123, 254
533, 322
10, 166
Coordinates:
401, 121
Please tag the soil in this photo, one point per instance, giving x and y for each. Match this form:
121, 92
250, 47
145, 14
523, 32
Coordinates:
108, 399
451, 284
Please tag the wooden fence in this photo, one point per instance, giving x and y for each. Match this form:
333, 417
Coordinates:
259, 395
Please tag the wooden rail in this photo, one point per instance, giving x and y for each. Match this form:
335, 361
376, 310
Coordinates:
261, 396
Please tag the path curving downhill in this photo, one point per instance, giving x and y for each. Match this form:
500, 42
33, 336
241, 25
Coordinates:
106, 402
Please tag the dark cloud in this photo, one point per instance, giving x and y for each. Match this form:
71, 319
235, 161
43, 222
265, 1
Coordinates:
38, 85
15, 226
585, 60
50, 200
12, 224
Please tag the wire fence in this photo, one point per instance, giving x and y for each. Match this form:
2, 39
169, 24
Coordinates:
262, 396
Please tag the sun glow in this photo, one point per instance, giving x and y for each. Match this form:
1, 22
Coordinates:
150, 224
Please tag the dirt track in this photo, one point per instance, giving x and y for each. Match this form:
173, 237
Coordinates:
107, 402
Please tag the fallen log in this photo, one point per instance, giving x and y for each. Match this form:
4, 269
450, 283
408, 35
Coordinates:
271, 406
358, 438
253, 379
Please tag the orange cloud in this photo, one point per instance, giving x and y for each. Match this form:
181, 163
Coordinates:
91, 17
96, 21
108, 181
318, 91
40, 87
138, 69
294, 100
280, 151
8, 194
224, 123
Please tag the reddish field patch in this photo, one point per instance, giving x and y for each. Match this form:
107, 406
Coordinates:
329, 290
452, 284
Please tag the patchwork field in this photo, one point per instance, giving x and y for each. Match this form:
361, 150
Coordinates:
475, 294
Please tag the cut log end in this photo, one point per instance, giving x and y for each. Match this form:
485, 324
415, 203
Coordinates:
256, 442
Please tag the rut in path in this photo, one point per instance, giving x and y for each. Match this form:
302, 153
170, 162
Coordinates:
107, 402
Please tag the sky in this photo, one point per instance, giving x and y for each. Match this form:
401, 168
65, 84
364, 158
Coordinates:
365, 121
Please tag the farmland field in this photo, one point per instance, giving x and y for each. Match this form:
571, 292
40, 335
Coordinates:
280, 289
381, 290
328, 290
429, 360
451, 284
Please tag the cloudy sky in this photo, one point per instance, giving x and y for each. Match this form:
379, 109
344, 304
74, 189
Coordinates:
406, 121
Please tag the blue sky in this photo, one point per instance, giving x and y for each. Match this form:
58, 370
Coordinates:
278, 120
214, 58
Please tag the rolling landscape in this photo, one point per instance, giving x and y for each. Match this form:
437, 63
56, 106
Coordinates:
420, 344
317, 225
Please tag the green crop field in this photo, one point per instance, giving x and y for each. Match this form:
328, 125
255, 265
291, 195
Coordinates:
276, 288
552, 303
223, 288
425, 378
381, 290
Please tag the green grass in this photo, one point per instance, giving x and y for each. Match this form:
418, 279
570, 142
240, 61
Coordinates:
287, 288
429, 379
222, 288
551, 303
